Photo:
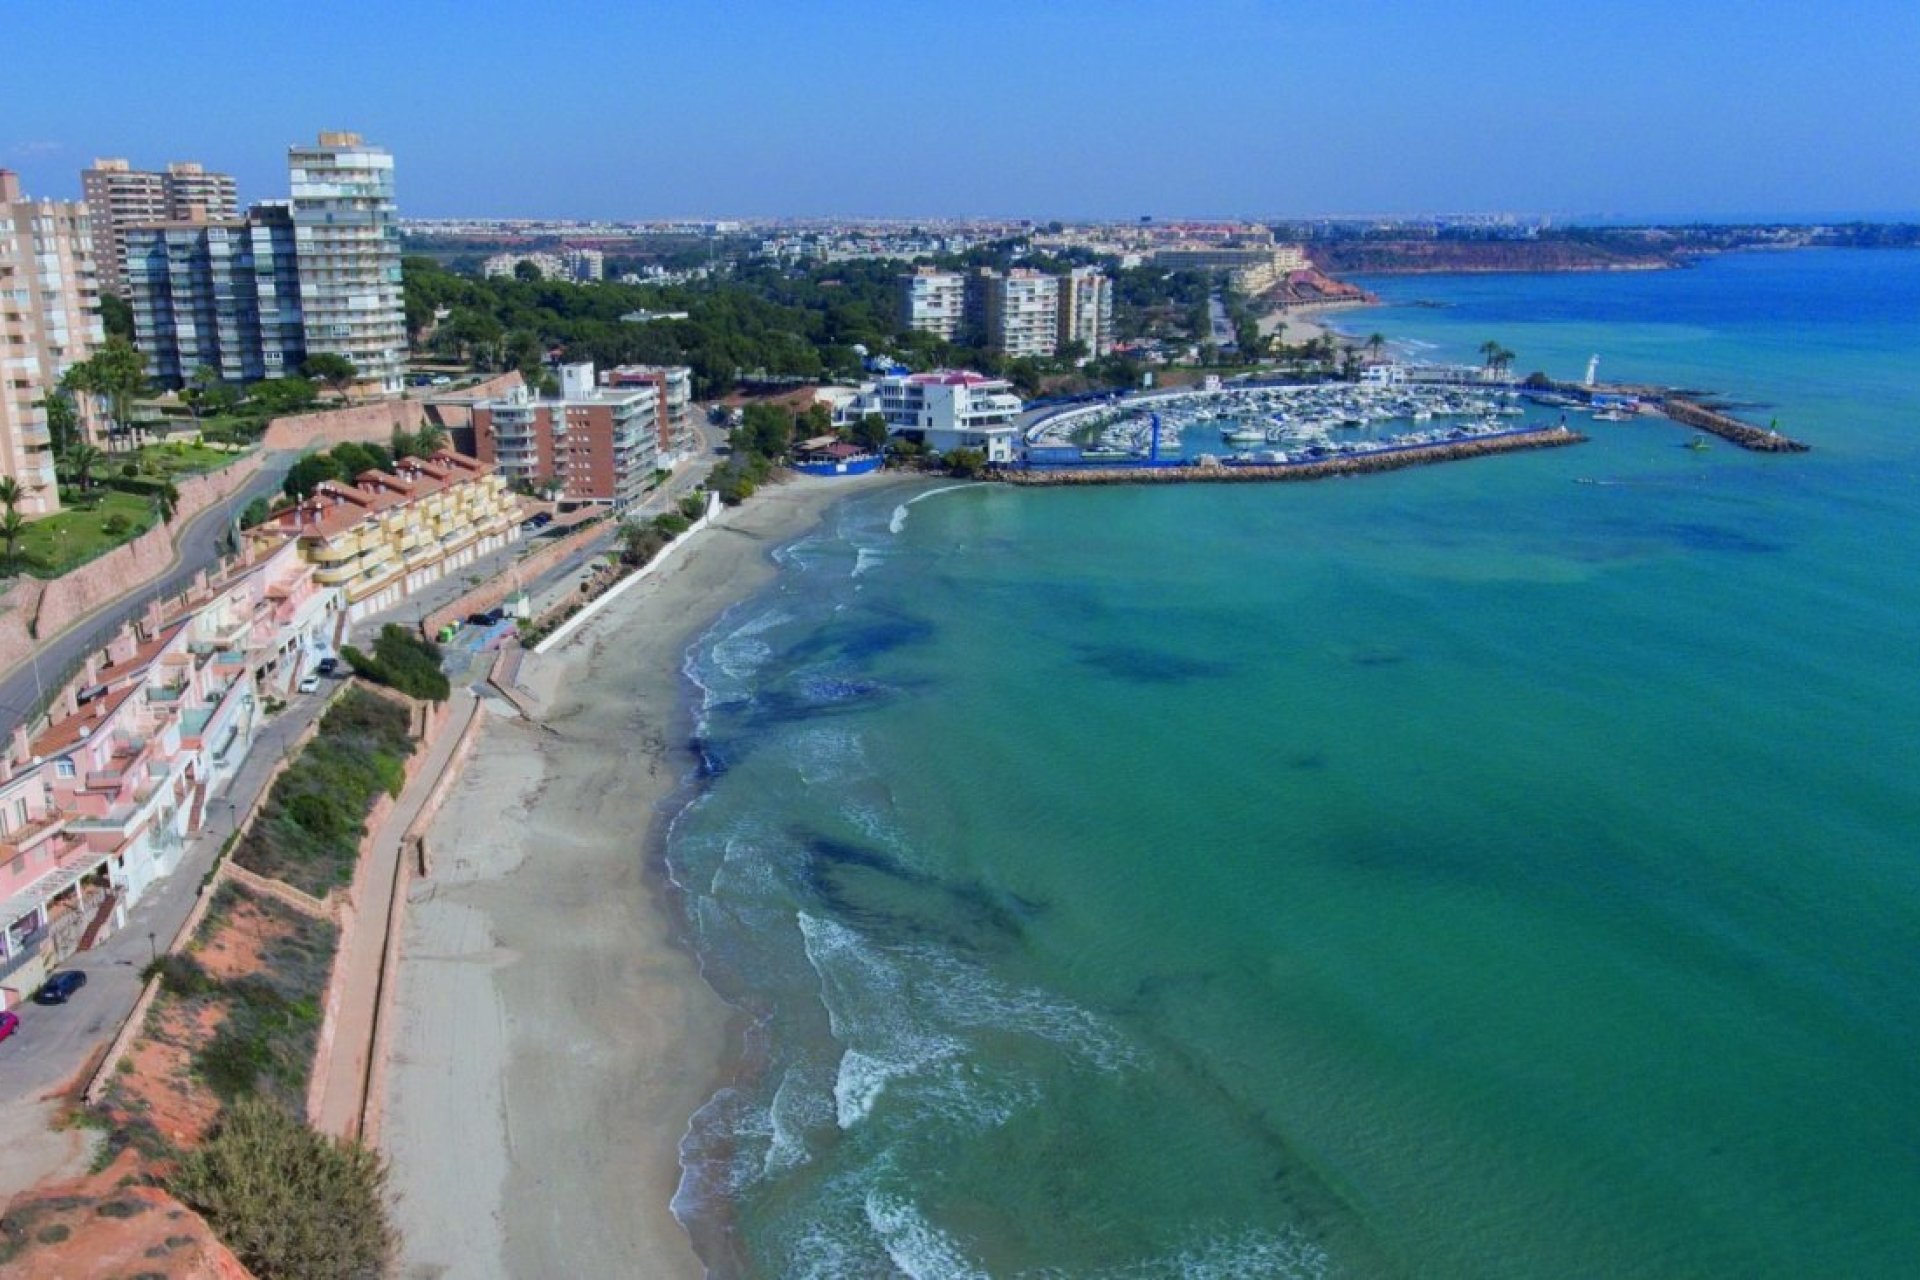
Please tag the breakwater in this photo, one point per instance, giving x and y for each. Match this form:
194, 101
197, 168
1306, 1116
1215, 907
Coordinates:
1744, 434
1315, 469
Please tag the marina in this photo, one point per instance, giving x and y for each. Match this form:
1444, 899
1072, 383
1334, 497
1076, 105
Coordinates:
1263, 431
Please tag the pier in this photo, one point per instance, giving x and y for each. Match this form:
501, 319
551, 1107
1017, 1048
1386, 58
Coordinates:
1744, 434
1350, 464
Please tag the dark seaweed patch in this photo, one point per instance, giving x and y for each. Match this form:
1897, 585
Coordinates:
1711, 537
1149, 666
859, 641
832, 872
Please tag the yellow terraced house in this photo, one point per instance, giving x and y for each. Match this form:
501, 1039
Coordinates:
388, 534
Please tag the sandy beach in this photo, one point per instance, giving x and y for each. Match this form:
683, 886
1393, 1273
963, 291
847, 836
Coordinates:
553, 1034
1296, 325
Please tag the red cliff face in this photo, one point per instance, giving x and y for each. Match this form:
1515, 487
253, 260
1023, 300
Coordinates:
96, 1229
1413, 256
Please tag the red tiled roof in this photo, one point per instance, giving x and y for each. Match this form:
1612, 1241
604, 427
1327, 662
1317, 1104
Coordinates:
63, 735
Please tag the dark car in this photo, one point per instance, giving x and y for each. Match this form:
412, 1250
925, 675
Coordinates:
56, 989
327, 666
9, 1023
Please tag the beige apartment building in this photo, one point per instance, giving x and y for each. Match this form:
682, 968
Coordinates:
119, 196
49, 321
1021, 311
1086, 310
387, 535
347, 238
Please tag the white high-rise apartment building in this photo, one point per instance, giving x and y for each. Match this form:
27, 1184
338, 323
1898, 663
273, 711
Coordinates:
49, 322
347, 238
1022, 311
1086, 310
934, 301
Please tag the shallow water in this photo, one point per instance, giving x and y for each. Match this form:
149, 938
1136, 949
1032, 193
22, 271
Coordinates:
1456, 872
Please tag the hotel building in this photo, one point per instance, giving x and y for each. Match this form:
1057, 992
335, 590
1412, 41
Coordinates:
946, 410
49, 322
1252, 269
347, 239
223, 295
118, 196
592, 445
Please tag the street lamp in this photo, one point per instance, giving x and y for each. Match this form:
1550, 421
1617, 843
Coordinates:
153, 952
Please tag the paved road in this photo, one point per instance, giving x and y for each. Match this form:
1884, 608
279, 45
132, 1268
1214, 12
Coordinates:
53, 1044
197, 548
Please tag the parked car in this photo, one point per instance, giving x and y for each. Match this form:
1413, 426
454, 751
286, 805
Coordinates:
9, 1023
328, 666
440, 380
310, 682
58, 987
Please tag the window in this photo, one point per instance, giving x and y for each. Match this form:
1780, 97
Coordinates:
63, 769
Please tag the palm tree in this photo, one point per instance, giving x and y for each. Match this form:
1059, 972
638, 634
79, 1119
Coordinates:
1374, 343
12, 525
11, 492
166, 501
1490, 349
81, 460
430, 439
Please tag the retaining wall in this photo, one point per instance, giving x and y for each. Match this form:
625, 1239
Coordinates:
33, 612
498, 588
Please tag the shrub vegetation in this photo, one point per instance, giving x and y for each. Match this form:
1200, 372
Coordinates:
292, 1204
308, 832
402, 660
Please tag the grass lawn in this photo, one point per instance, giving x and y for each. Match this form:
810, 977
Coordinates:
178, 458
52, 546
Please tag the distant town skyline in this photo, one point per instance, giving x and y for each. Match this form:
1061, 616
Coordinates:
1230, 108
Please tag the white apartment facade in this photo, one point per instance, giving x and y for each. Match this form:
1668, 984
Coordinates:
1022, 312
347, 239
934, 302
948, 409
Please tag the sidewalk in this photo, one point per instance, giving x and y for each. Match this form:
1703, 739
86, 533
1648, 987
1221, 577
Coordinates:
53, 1046
364, 963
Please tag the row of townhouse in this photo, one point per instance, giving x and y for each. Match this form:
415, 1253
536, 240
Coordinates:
98, 804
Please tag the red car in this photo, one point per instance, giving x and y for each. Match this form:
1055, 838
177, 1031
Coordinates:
8, 1021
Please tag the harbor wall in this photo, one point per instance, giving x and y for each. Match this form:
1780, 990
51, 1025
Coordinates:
1346, 465
1744, 434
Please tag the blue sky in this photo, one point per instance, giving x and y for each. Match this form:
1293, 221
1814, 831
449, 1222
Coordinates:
628, 109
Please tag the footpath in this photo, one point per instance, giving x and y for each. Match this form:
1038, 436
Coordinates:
362, 988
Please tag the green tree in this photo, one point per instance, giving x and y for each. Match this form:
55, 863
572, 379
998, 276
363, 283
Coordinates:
166, 501
871, 432
333, 371
967, 464
289, 1202
308, 473
63, 421
1375, 343
255, 513
12, 525
278, 396
526, 272
81, 461
116, 315
206, 392
114, 373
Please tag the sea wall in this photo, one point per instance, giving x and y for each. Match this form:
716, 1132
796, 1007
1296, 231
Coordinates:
1744, 434
1550, 438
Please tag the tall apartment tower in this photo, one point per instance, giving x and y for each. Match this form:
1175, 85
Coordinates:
934, 302
119, 196
49, 322
347, 237
1086, 310
1021, 311
220, 295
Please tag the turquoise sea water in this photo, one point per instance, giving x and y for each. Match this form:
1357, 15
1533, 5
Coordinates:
1461, 872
